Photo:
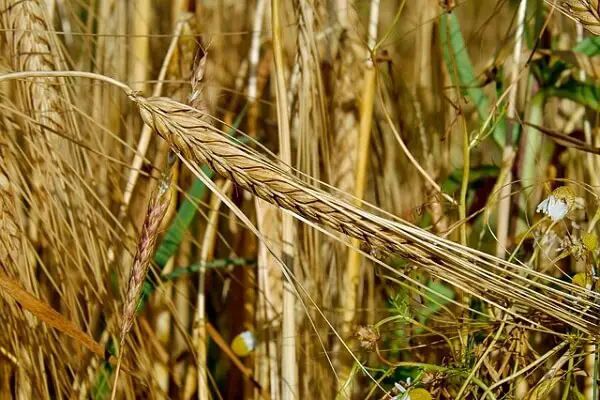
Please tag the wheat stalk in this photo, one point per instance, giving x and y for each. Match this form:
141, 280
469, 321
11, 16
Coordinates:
487, 277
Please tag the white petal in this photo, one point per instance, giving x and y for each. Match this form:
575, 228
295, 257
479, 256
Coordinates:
543, 206
249, 339
558, 210
555, 208
400, 387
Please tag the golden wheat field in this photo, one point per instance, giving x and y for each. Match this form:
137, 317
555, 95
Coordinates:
300, 199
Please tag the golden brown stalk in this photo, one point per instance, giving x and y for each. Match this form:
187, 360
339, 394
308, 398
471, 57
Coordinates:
289, 362
146, 136
182, 294
199, 334
270, 303
353, 278
352, 275
482, 275
161, 330
140, 43
197, 378
508, 151
309, 121
348, 79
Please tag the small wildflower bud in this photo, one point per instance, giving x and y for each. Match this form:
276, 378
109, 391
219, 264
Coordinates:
558, 204
590, 241
367, 336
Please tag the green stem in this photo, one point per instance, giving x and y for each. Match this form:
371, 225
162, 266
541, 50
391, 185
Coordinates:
179, 272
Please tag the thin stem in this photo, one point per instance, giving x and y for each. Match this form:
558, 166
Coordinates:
482, 358
595, 375
433, 367
118, 370
464, 187
68, 74
520, 372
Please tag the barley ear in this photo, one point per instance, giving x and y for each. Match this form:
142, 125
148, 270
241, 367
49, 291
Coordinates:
584, 11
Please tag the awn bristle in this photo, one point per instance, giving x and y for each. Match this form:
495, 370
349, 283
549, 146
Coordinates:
487, 277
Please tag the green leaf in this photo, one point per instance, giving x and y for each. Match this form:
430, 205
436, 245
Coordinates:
532, 146
460, 68
101, 389
476, 175
459, 63
589, 46
148, 287
583, 93
102, 386
183, 219
575, 394
438, 296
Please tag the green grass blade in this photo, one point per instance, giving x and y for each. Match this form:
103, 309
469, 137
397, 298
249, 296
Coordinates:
183, 219
179, 272
580, 92
459, 63
589, 46
460, 68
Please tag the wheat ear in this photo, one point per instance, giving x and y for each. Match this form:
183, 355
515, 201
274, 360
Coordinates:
157, 208
485, 276
587, 12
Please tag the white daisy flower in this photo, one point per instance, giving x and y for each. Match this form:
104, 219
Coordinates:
558, 204
556, 209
